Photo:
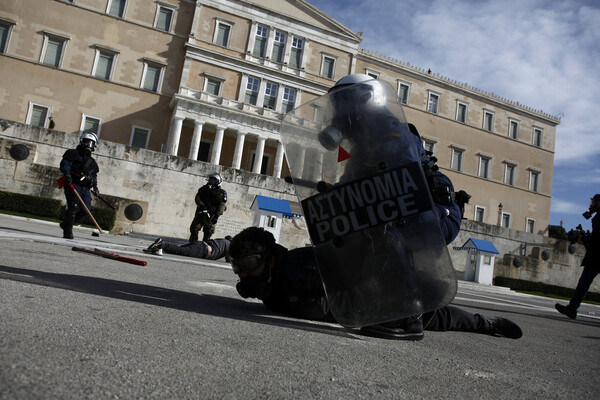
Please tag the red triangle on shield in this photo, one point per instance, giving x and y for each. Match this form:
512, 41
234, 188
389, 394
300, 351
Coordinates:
343, 154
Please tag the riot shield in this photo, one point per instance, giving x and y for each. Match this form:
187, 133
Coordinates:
357, 172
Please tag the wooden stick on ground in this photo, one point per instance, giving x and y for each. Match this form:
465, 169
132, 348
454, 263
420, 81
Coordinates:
112, 256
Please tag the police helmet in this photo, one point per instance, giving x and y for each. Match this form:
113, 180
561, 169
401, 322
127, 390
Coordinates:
89, 140
357, 101
214, 180
359, 93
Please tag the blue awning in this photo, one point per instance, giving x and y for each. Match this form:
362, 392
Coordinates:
478, 245
273, 205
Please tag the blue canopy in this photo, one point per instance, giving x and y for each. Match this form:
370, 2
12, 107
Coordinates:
273, 205
479, 245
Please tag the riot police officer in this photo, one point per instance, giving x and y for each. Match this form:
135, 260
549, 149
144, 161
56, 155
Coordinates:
380, 214
80, 172
210, 201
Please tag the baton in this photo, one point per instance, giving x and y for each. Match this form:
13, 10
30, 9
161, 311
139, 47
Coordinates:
85, 207
62, 182
112, 256
105, 202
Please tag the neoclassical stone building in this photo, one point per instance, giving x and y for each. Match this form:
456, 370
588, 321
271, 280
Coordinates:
210, 80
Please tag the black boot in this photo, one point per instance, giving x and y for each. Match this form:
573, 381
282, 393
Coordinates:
566, 310
194, 236
410, 328
505, 327
67, 227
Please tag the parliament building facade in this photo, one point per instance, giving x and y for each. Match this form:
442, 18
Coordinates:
210, 80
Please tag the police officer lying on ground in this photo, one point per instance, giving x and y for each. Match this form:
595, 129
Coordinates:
379, 258
211, 249
288, 282
80, 170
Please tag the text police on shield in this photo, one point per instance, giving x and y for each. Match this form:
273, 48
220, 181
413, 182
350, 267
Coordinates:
366, 202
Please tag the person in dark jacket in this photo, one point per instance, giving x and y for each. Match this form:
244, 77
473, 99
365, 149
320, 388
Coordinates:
288, 282
590, 262
210, 205
212, 249
81, 171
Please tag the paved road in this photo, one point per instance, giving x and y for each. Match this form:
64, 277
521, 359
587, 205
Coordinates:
78, 326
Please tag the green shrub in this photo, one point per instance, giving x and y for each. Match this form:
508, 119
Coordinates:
52, 208
104, 216
33, 205
557, 232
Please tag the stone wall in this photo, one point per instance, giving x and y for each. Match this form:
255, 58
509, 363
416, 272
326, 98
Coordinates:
164, 187
524, 249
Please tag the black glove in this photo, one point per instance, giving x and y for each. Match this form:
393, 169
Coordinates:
95, 190
441, 193
214, 220
68, 180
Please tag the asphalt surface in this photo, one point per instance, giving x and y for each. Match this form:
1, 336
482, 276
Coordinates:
79, 326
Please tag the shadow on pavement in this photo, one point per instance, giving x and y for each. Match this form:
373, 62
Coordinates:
218, 306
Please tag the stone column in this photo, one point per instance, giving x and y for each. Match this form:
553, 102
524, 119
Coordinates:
278, 161
260, 150
252, 37
175, 135
215, 157
239, 148
196, 139
270, 40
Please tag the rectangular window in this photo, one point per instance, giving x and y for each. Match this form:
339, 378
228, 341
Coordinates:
117, 8
103, 65
505, 220
289, 100
252, 90
509, 174
152, 76
263, 166
534, 181
213, 86
479, 214
91, 125
270, 95
457, 159
403, 92
278, 47
223, 32
461, 112
433, 103
488, 120
164, 18
139, 137
53, 53
38, 115
530, 225
429, 146
5, 30
296, 53
484, 167
204, 151
513, 129
260, 42
537, 137
328, 67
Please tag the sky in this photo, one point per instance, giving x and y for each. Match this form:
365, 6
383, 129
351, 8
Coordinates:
544, 54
